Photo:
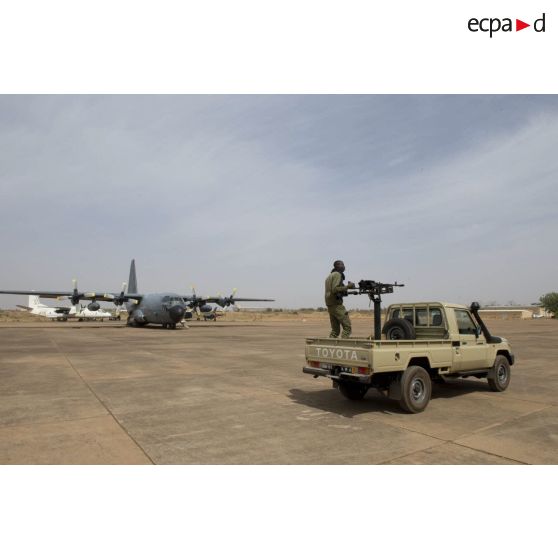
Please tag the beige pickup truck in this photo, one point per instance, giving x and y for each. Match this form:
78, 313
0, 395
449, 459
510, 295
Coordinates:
421, 342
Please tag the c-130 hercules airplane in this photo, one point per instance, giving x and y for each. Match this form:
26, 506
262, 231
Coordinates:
166, 309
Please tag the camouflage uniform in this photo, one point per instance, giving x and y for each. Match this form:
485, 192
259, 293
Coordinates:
338, 315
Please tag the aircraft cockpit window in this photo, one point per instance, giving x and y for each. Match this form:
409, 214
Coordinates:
176, 300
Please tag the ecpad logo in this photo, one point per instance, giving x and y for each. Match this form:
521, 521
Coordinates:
493, 25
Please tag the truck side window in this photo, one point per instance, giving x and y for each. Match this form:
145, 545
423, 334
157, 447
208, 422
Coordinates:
407, 314
465, 323
436, 319
421, 317
403, 313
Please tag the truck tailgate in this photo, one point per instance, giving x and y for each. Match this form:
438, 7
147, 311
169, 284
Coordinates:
377, 356
344, 352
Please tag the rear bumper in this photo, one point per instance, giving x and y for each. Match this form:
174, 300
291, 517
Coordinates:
316, 372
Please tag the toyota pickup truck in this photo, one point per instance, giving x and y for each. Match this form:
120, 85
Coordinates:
421, 342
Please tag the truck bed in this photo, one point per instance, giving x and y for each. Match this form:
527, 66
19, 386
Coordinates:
367, 343
378, 355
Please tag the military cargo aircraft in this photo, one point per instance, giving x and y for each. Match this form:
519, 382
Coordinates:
166, 309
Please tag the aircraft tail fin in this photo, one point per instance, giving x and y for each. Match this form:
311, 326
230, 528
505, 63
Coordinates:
132, 281
34, 302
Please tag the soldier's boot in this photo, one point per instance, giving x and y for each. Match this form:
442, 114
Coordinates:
335, 331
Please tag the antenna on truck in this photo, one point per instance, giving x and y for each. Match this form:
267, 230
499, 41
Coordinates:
375, 290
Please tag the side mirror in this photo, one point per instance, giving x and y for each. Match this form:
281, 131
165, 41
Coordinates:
478, 331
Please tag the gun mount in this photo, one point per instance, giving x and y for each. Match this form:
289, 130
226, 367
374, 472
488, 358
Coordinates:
375, 290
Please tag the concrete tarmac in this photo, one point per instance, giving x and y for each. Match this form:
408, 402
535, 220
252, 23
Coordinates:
234, 393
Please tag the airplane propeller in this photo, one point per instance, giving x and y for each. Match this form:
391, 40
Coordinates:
194, 298
118, 299
194, 303
75, 298
227, 300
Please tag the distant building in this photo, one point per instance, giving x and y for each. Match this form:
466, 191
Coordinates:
518, 312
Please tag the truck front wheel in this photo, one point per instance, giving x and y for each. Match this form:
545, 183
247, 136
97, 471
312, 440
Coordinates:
416, 389
355, 392
500, 376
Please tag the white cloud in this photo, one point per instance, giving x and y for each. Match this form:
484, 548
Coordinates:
212, 191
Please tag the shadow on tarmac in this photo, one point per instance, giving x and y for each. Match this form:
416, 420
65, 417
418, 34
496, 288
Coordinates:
332, 401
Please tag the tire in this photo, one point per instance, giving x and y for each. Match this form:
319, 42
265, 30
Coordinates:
416, 389
354, 392
502, 374
398, 328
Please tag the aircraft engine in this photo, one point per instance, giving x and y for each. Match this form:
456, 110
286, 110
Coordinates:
93, 306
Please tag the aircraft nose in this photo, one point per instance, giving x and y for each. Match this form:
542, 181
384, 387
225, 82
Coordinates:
176, 312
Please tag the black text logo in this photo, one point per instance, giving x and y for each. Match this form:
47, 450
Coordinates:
493, 25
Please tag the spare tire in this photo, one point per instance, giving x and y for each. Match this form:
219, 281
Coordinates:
398, 328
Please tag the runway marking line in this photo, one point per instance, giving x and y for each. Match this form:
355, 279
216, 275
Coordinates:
101, 402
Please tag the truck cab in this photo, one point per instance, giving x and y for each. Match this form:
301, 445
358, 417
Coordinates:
439, 320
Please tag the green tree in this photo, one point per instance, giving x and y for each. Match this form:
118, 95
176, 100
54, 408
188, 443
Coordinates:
550, 303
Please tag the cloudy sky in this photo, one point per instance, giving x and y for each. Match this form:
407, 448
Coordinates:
456, 196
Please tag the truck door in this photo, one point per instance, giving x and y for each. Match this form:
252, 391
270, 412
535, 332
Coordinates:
471, 351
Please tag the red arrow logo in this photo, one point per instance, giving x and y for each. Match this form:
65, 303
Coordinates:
519, 25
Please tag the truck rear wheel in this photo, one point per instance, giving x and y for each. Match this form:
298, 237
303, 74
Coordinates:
355, 392
501, 374
398, 328
416, 389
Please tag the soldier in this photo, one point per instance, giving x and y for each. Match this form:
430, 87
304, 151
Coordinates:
335, 290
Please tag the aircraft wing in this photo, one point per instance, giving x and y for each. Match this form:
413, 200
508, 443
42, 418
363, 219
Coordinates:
90, 295
249, 299
222, 301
